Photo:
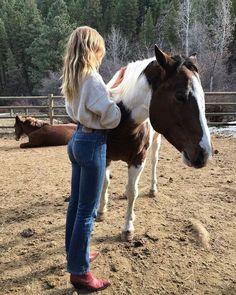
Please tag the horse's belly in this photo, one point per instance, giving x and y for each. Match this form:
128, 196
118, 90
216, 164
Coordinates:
128, 142
130, 153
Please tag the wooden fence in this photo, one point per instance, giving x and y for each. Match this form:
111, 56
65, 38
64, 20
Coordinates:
220, 108
46, 109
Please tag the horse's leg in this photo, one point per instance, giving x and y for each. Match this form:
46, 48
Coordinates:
101, 214
26, 145
131, 193
35, 140
155, 157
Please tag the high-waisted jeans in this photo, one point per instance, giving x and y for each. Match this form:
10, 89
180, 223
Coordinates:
87, 153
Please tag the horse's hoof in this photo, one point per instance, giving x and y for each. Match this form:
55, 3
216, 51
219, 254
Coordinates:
152, 193
23, 145
100, 216
127, 236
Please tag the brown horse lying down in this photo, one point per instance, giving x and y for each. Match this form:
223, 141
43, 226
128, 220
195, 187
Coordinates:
41, 133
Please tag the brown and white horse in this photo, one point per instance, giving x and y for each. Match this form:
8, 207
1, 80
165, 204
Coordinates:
41, 133
165, 93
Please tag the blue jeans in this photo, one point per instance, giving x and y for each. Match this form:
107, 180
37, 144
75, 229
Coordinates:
87, 153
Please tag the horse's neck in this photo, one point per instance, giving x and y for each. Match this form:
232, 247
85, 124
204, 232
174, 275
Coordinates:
138, 100
148, 82
139, 103
27, 128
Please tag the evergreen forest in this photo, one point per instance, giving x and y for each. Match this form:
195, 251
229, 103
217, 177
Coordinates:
33, 35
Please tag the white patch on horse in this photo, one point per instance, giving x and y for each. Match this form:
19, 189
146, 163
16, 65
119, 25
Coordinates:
156, 144
142, 97
104, 197
205, 142
132, 193
134, 91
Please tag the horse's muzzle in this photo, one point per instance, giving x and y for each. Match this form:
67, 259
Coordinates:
197, 161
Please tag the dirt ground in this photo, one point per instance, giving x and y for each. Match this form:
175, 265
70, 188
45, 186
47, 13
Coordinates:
165, 257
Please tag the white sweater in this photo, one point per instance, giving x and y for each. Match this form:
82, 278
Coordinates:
92, 107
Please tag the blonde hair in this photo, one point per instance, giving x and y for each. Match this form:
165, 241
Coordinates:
84, 53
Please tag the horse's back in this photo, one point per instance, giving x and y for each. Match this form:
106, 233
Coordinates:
52, 135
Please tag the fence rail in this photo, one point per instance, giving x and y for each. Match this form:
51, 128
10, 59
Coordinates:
221, 108
218, 105
43, 111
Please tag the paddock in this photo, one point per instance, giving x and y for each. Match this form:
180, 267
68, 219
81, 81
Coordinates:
165, 257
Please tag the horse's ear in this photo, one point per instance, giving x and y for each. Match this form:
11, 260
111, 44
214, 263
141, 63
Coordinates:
161, 57
18, 118
193, 58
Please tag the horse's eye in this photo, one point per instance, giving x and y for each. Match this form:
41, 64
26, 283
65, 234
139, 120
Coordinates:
181, 96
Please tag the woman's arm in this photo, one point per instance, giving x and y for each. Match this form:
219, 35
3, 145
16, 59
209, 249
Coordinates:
107, 110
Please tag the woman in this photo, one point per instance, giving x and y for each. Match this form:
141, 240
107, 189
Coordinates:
88, 103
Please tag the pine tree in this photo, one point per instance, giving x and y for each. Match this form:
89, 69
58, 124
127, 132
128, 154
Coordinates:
48, 49
43, 6
109, 14
13, 21
234, 8
31, 30
3, 56
144, 6
11, 79
170, 26
148, 30
127, 14
14, 78
22, 23
72, 10
92, 14
231, 63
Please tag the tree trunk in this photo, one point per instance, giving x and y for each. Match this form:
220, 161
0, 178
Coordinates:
187, 28
211, 83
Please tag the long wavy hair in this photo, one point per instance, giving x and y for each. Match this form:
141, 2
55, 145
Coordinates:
84, 53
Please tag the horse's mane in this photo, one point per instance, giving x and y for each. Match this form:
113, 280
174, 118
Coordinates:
35, 122
134, 71
124, 91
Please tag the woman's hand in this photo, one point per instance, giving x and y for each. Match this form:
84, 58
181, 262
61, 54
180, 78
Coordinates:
119, 78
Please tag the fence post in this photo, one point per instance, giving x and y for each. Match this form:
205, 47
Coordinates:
51, 107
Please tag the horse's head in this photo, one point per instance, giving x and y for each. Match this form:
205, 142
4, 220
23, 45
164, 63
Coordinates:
18, 128
177, 108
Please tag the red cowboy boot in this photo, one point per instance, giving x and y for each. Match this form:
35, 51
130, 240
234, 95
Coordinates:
89, 282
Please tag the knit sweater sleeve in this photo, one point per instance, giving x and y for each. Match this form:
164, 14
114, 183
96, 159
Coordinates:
99, 103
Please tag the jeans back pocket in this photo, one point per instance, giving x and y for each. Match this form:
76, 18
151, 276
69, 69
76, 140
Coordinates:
83, 151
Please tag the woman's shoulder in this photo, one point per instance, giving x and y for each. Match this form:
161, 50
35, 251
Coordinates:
94, 79
96, 76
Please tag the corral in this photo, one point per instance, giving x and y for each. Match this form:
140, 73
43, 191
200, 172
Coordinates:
164, 258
